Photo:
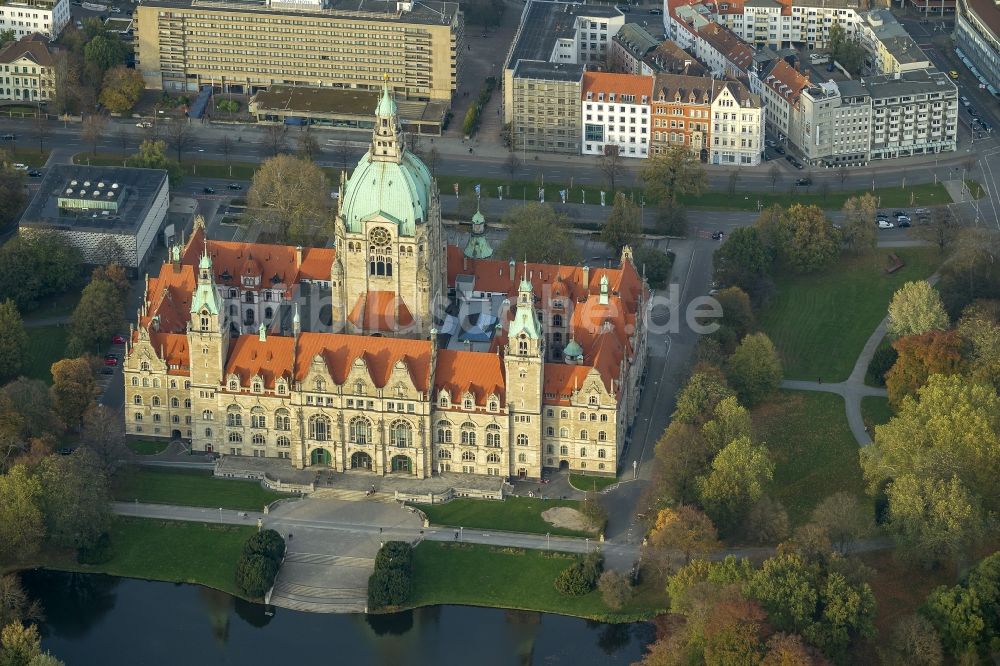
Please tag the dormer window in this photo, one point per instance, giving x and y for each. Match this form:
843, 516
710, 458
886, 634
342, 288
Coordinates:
234, 385
493, 405
593, 400
467, 403
256, 387
280, 388
359, 388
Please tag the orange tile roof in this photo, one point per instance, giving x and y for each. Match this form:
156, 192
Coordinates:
561, 380
380, 311
168, 298
618, 84
786, 81
728, 43
248, 356
480, 373
173, 349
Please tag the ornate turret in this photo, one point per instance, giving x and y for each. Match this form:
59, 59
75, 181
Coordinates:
205, 296
525, 333
478, 246
573, 353
387, 139
604, 290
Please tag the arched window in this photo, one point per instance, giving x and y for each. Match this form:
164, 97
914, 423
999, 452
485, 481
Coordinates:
602, 436
493, 458
601, 453
592, 400
360, 430
443, 432
583, 416
234, 385
258, 439
467, 403
283, 442
593, 417
138, 416
401, 433
493, 405
207, 415
522, 440
187, 403
522, 458
268, 313
137, 399
319, 428
256, 387
564, 450
557, 320
281, 420
175, 403
583, 453
563, 414
156, 401
468, 456
234, 418
444, 454
550, 432
319, 384
493, 435
135, 381
564, 432
583, 435
443, 399
144, 366
281, 388
257, 418
235, 438
208, 432
522, 345
469, 434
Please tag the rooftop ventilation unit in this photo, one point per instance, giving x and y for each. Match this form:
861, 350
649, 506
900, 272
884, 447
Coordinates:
69, 190
114, 186
111, 194
101, 184
86, 183
72, 182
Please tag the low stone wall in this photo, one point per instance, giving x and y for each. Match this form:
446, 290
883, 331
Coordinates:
450, 494
286, 487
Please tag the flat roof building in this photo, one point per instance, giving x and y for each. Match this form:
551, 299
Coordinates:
108, 213
246, 46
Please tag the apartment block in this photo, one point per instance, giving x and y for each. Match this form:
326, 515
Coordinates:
780, 89
891, 47
682, 113
977, 35
616, 114
629, 49
737, 126
834, 128
913, 113
244, 47
26, 17
723, 52
545, 104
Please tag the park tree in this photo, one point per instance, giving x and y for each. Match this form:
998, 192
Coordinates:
766, 523
594, 511
916, 308
179, 135
696, 401
914, 642
934, 520
846, 50
682, 454
121, 89
654, 264
737, 317
941, 230
30, 399
843, 519
789, 650
950, 427
743, 259
612, 166
979, 330
965, 615
858, 226
73, 390
808, 241
152, 154
622, 226
539, 234
36, 266
66, 80
6, 37
93, 129
22, 525
685, 529
255, 575
99, 315
275, 136
919, 357
103, 52
754, 369
103, 434
13, 341
738, 475
972, 272
75, 499
309, 146
268, 543
291, 195
730, 420
15, 604
20, 644
615, 588
12, 192
671, 219
673, 173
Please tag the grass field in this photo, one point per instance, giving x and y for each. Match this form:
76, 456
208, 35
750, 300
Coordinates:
514, 514
475, 575
814, 452
191, 488
875, 410
147, 447
820, 322
589, 483
27, 153
47, 345
174, 551
55, 306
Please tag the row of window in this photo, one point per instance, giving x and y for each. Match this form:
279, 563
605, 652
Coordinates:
155, 402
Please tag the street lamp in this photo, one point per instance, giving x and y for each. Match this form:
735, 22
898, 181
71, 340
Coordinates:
220, 514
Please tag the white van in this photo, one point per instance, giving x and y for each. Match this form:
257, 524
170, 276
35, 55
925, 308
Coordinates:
819, 58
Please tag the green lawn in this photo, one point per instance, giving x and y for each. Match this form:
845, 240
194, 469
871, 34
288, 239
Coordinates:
61, 305
174, 551
147, 447
814, 452
875, 410
976, 190
27, 153
47, 345
514, 514
475, 575
191, 488
589, 483
820, 322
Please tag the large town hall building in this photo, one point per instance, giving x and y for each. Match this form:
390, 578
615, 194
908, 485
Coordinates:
392, 351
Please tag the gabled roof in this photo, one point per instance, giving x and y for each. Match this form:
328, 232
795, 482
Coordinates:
172, 348
168, 298
33, 47
479, 373
638, 85
669, 86
788, 83
380, 311
726, 42
670, 58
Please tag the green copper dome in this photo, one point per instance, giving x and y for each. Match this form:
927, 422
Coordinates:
573, 349
386, 105
400, 192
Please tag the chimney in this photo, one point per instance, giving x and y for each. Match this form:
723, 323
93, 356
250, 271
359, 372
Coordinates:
511, 271
465, 263
298, 256
586, 278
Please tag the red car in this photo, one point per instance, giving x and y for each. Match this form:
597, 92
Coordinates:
118, 339
110, 360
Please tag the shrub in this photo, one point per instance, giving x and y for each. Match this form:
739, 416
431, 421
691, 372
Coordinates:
882, 361
388, 587
97, 553
471, 120
255, 575
594, 511
571, 581
615, 589
267, 543
395, 555
230, 105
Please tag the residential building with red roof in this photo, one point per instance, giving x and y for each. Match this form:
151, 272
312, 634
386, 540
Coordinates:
257, 350
616, 113
28, 68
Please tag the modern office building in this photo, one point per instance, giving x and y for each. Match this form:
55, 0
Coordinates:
109, 213
834, 124
26, 17
244, 47
616, 114
977, 35
27, 70
913, 113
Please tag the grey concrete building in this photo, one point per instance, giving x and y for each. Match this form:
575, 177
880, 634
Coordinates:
977, 35
913, 113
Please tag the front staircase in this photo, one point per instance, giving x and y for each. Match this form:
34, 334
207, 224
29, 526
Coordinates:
320, 583
351, 495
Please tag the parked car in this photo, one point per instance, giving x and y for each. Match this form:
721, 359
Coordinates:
972, 112
718, 235
208, 190
144, 123
779, 150
111, 360
899, 213
655, 12
885, 224
34, 173
235, 186
116, 10
903, 222
804, 182
19, 165
985, 125
8, 137
922, 211
953, 74
964, 100
117, 339
881, 216
797, 164
770, 143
